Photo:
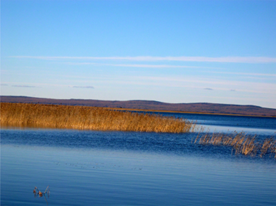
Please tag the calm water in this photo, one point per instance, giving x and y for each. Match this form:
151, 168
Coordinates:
129, 168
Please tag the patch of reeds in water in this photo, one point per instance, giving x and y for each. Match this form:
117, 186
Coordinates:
240, 142
87, 118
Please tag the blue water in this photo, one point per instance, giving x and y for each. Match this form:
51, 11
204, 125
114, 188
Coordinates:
130, 168
226, 123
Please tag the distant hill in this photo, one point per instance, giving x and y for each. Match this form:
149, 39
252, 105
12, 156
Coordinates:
153, 105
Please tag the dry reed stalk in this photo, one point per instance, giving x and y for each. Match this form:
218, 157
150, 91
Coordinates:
206, 139
238, 139
241, 143
266, 145
198, 135
226, 140
249, 147
272, 147
87, 118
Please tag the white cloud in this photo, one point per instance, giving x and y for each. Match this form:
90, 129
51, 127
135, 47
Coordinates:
243, 73
228, 59
192, 82
25, 86
84, 87
139, 65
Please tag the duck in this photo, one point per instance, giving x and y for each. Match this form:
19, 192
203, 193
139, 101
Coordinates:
34, 191
40, 194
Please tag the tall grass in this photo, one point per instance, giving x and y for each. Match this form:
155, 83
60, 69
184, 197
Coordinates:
240, 142
87, 118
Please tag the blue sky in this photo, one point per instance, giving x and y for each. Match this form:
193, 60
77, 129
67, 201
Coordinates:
175, 51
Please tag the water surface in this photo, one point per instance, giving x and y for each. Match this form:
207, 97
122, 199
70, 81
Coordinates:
130, 168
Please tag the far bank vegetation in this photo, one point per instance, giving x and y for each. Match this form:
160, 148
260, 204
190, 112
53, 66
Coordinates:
88, 118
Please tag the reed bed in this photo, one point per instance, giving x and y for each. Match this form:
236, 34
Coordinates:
240, 142
87, 118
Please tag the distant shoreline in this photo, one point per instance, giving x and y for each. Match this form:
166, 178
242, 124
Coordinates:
181, 112
154, 106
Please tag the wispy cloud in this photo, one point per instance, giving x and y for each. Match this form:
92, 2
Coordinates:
139, 65
48, 85
84, 87
208, 88
25, 86
215, 69
201, 83
217, 84
2, 85
229, 59
244, 73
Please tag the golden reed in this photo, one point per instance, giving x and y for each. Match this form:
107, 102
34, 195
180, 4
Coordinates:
87, 118
241, 143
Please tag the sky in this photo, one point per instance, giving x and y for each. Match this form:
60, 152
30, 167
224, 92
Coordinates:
216, 51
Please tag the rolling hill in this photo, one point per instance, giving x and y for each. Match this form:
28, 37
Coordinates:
211, 108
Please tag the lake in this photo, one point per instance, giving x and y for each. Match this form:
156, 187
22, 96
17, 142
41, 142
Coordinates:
130, 168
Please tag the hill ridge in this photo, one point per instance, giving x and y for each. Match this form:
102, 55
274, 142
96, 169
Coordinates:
199, 107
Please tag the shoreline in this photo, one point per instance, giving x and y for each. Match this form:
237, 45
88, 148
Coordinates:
147, 110
153, 106
183, 112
